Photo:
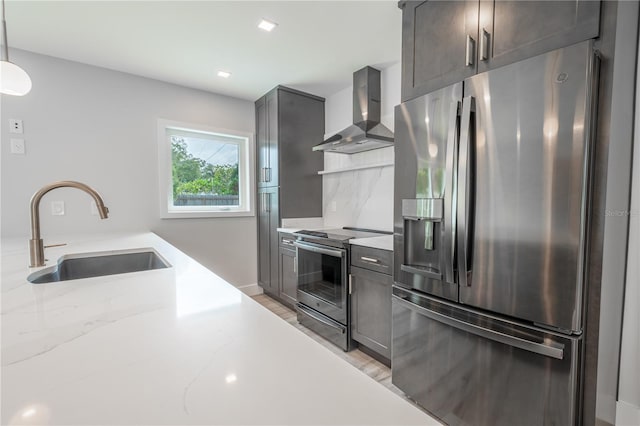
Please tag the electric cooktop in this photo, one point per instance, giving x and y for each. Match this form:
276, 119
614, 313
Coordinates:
341, 234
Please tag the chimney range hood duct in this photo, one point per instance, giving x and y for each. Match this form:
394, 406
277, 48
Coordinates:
366, 132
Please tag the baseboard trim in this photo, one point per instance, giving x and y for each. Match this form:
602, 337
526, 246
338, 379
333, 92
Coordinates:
627, 414
251, 289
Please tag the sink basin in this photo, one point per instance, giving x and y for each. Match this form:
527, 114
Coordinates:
87, 265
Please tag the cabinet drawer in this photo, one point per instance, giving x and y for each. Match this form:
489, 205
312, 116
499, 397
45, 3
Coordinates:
286, 240
373, 259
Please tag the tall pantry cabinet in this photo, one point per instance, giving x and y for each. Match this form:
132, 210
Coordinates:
288, 124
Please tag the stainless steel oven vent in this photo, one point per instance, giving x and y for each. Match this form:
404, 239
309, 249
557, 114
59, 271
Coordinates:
366, 132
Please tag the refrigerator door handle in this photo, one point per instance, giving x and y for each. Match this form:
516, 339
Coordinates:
517, 342
464, 191
450, 193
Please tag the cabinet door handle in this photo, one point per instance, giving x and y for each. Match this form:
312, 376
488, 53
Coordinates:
295, 265
484, 45
265, 199
469, 51
369, 259
350, 283
287, 242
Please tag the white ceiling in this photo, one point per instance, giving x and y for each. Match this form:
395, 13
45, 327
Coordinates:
316, 47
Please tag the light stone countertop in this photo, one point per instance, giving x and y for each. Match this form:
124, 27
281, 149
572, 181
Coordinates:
298, 224
169, 346
289, 230
384, 242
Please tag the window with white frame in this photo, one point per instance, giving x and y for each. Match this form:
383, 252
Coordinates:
204, 171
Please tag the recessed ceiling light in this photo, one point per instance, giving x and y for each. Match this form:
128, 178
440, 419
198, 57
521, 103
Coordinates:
267, 25
224, 74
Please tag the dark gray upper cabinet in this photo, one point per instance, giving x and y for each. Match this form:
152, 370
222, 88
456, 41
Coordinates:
288, 124
510, 31
447, 41
438, 42
267, 139
301, 126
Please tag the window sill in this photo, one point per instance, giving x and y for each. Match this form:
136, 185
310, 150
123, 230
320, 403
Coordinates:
206, 214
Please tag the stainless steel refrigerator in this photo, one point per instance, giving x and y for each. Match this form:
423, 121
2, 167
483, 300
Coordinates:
491, 209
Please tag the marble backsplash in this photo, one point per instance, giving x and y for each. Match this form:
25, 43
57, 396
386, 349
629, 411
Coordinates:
303, 223
359, 198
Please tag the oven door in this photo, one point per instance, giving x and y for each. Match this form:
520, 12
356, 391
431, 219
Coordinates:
322, 279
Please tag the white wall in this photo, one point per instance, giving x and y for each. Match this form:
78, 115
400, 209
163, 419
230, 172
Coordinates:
362, 198
628, 406
98, 126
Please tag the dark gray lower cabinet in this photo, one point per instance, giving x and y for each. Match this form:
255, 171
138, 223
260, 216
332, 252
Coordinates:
288, 276
371, 310
268, 222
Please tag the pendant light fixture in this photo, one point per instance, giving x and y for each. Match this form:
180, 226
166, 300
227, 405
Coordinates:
13, 79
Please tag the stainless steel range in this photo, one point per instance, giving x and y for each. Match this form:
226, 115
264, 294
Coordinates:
323, 285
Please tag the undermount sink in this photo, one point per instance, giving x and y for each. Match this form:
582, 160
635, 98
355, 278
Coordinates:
87, 265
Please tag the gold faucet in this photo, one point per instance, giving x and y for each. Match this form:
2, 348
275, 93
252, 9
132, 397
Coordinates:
36, 245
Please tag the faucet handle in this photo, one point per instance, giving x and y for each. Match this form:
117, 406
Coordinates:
55, 245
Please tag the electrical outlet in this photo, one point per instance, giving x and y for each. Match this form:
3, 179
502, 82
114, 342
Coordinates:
15, 126
17, 146
57, 208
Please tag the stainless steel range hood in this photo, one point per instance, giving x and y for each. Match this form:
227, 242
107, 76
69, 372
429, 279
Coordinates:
367, 132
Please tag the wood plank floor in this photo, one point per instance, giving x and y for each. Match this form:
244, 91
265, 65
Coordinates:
373, 368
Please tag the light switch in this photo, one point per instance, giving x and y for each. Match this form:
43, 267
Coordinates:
334, 206
17, 146
57, 208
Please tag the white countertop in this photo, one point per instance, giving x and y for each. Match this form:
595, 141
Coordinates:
289, 230
384, 242
170, 346
291, 225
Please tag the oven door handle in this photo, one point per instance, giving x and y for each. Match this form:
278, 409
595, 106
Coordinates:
321, 250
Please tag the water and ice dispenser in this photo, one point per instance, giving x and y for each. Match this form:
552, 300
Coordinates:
423, 237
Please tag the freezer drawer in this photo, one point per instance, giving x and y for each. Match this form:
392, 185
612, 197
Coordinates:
473, 369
